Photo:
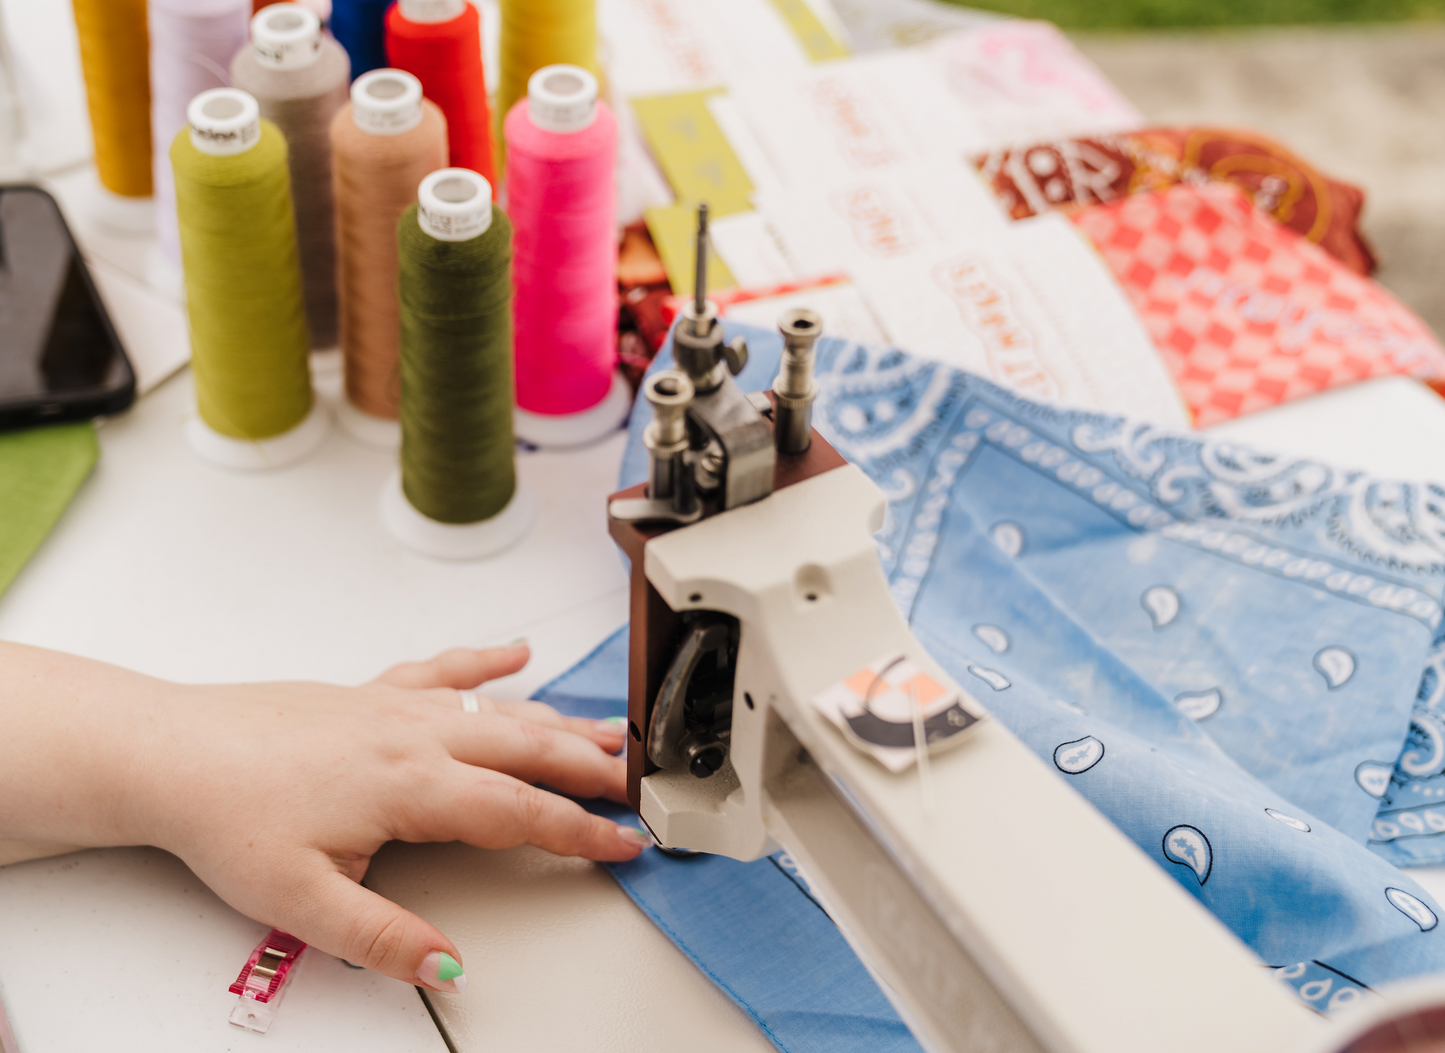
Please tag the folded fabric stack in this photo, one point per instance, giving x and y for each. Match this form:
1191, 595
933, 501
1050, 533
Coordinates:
1226, 265
1245, 312
1074, 173
1219, 648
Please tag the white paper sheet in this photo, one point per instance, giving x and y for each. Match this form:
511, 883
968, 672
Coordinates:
841, 306
858, 116
916, 209
1028, 304
748, 246
653, 47
941, 103
1023, 82
733, 124
152, 327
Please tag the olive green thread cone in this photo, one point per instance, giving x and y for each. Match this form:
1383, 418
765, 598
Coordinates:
249, 341
456, 371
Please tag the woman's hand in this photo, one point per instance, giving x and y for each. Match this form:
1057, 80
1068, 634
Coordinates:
277, 795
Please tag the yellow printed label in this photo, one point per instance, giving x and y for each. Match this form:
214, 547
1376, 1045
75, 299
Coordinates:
810, 31
674, 232
693, 152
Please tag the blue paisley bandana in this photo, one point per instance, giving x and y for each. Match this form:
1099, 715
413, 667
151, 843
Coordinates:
1219, 648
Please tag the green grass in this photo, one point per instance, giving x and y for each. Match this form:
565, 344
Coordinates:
1156, 14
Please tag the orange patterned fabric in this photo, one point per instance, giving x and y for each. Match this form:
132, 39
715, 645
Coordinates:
1246, 313
1075, 173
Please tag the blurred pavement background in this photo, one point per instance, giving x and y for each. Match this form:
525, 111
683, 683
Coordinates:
1365, 103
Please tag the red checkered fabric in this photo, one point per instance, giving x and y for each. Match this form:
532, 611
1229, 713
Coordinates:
1246, 313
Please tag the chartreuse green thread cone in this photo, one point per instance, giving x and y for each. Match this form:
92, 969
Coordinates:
249, 340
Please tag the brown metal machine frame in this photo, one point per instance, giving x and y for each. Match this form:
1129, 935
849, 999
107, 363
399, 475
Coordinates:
652, 638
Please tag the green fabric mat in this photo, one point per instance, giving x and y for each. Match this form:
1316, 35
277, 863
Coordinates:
40, 470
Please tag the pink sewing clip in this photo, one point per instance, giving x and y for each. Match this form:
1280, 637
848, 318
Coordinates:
263, 980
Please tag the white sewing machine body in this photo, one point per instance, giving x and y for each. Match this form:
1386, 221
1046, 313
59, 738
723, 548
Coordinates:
746, 609
976, 958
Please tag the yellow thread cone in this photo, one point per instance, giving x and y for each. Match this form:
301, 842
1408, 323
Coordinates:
537, 33
115, 58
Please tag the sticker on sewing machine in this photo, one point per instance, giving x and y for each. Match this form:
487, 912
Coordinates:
880, 707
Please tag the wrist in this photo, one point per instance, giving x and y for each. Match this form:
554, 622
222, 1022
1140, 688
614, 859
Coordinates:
151, 796
74, 768
12, 851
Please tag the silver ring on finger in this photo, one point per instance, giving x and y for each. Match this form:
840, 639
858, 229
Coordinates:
470, 703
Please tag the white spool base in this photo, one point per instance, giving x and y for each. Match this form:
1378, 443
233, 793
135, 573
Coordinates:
378, 433
457, 541
326, 360
259, 455
129, 216
550, 430
327, 378
164, 276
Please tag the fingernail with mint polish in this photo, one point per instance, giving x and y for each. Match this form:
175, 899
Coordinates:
635, 835
519, 643
613, 725
441, 972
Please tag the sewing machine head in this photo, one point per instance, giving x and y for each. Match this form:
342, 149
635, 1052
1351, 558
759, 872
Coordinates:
777, 696
712, 449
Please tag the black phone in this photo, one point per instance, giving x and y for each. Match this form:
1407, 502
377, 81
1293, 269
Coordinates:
60, 357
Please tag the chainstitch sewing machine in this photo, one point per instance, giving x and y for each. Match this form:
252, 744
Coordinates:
777, 696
